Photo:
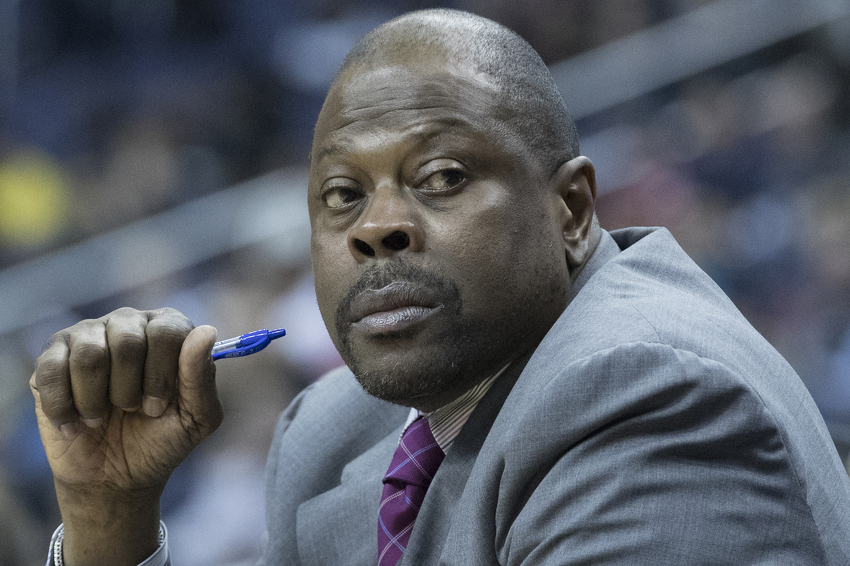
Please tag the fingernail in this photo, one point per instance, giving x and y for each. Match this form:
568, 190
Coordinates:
93, 423
153, 406
70, 430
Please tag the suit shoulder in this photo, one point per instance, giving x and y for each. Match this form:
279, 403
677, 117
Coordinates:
338, 398
646, 419
652, 292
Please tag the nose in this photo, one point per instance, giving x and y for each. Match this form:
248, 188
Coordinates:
388, 226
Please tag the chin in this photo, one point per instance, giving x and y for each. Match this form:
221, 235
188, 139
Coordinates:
413, 381
426, 374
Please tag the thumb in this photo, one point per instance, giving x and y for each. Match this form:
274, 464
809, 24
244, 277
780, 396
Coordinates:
197, 395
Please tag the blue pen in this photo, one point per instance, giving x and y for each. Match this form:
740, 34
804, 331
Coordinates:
246, 344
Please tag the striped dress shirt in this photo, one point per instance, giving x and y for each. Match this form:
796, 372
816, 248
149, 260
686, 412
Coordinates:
447, 421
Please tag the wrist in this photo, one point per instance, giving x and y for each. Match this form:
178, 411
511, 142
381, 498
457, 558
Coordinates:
105, 527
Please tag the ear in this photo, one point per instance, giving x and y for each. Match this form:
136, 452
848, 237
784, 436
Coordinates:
575, 183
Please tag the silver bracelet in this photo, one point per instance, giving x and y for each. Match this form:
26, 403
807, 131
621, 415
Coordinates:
57, 547
60, 536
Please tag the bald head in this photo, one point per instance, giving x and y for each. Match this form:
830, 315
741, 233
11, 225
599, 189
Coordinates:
528, 102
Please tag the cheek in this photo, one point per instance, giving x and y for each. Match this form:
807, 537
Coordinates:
506, 250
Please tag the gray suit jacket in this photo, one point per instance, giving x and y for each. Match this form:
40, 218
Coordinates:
652, 425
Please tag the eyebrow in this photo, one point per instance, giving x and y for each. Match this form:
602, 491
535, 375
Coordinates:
334, 149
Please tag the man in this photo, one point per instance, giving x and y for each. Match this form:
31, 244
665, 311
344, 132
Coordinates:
594, 398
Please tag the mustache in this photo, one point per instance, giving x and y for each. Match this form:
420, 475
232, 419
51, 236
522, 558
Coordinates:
379, 276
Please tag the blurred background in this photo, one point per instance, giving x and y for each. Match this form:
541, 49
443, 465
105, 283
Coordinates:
154, 154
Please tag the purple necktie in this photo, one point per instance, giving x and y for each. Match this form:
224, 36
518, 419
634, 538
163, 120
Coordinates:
414, 464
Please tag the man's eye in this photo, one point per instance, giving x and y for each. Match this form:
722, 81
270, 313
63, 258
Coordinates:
340, 196
445, 179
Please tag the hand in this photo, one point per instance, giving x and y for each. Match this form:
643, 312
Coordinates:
121, 401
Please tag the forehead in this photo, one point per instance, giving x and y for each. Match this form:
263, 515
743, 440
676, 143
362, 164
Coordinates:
400, 99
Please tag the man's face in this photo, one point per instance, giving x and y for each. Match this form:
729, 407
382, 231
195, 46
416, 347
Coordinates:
437, 242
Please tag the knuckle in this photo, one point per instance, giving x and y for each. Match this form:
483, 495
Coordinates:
128, 346
82, 326
125, 312
122, 315
89, 356
168, 315
172, 331
127, 339
168, 311
49, 361
60, 337
50, 373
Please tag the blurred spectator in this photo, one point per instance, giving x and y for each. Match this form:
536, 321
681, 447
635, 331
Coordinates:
33, 200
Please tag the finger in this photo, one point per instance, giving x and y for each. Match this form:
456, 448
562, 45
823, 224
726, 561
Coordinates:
125, 333
51, 385
71, 429
197, 393
88, 362
166, 332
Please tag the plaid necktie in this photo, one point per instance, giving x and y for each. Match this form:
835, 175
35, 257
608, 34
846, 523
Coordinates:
413, 465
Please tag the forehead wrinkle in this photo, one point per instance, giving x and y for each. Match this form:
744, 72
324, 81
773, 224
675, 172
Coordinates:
387, 107
412, 87
419, 132
378, 102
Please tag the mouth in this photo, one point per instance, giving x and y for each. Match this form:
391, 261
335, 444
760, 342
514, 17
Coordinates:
393, 308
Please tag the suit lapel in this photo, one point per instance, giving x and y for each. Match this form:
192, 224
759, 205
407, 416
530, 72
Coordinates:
339, 526
435, 517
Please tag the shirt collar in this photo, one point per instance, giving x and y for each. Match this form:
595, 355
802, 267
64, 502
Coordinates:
447, 421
